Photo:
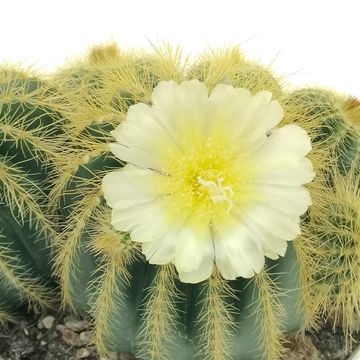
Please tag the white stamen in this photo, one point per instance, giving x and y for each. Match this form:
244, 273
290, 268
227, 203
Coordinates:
217, 191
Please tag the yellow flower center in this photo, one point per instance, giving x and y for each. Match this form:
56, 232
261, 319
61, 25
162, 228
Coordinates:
206, 180
217, 191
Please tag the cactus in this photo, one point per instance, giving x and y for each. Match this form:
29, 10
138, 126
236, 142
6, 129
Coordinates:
30, 139
145, 309
107, 81
331, 234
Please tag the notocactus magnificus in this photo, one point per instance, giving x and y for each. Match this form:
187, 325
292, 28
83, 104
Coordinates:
145, 309
30, 132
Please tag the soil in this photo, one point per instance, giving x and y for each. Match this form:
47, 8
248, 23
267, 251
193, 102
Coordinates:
65, 337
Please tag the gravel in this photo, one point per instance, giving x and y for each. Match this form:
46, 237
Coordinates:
67, 337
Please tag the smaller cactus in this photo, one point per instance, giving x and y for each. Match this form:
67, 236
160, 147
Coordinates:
101, 86
332, 238
332, 227
29, 142
331, 120
230, 67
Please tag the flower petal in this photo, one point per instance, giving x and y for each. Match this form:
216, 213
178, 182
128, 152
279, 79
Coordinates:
290, 137
135, 219
160, 251
264, 115
191, 241
286, 227
247, 119
178, 105
131, 186
142, 139
225, 105
271, 245
205, 268
235, 253
280, 159
293, 200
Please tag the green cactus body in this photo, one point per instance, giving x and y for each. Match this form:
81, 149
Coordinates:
142, 308
102, 86
29, 128
333, 130
331, 232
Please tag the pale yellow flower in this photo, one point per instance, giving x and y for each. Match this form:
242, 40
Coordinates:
209, 179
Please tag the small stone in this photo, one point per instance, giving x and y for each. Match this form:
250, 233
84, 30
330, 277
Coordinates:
82, 353
71, 338
112, 355
42, 342
39, 336
48, 321
40, 324
85, 337
109, 356
26, 331
302, 348
60, 327
76, 324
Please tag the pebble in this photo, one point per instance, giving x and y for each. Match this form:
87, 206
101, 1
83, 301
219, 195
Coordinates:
48, 321
76, 324
42, 342
71, 338
26, 331
110, 356
40, 324
85, 337
60, 327
302, 348
82, 353
39, 336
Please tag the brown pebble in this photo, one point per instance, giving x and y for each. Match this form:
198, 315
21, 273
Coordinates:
82, 353
71, 338
75, 324
302, 348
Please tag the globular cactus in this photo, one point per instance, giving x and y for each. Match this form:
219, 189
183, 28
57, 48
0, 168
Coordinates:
30, 139
142, 308
331, 231
107, 81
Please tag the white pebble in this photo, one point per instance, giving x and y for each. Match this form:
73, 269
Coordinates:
82, 353
48, 321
